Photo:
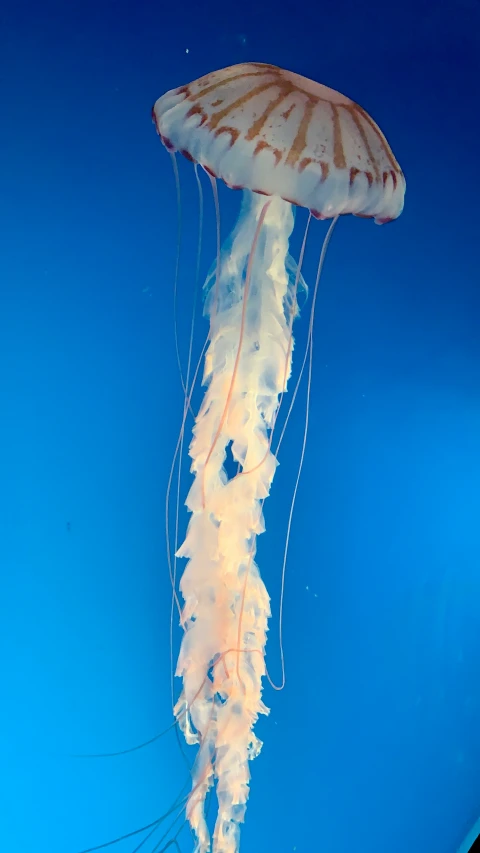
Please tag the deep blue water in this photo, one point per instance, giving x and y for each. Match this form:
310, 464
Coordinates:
374, 744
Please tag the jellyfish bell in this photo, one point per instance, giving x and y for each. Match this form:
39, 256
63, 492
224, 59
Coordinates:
274, 132
285, 141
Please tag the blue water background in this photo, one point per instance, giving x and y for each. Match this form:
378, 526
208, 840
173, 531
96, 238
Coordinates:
374, 744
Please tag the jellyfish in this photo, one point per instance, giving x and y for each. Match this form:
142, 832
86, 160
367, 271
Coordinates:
284, 140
